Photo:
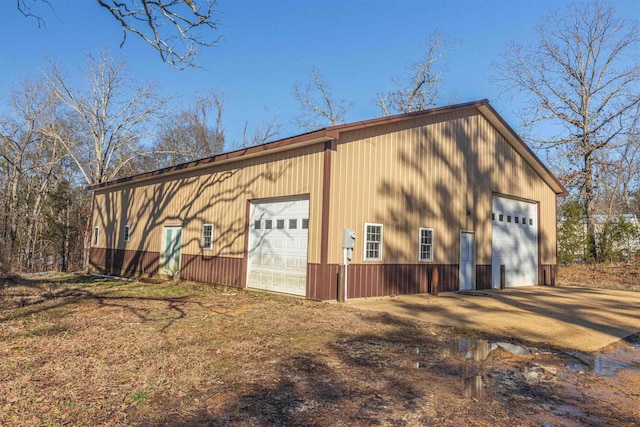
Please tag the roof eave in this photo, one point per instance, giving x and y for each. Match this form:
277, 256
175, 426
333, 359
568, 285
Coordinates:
521, 147
333, 132
297, 141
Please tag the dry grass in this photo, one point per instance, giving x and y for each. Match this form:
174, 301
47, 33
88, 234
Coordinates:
76, 350
619, 276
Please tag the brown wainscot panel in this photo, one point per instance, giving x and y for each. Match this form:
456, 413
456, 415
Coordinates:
372, 280
212, 269
124, 262
322, 282
547, 274
483, 276
97, 259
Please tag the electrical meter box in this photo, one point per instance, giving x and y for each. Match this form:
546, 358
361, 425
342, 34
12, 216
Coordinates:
348, 239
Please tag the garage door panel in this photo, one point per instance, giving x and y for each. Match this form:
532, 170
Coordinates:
514, 244
280, 251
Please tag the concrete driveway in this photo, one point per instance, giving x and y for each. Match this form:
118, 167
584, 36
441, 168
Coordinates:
572, 318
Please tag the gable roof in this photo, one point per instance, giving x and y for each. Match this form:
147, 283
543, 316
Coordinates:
333, 132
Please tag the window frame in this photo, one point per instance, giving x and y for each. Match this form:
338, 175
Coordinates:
127, 233
420, 230
202, 241
96, 235
366, 241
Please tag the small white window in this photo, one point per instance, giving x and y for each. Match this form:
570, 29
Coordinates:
127, 232
305, 223
96, 234
426, 245
280, 224
372, 242
207, 236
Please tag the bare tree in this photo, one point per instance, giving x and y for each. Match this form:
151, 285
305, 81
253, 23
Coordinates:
317, 103
420, 89
111, 112
22, 153
46, 165
176, 29
264, 132
188, 135
618, 177
581, 80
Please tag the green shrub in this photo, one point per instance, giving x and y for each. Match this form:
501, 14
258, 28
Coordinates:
617, 239
571, 234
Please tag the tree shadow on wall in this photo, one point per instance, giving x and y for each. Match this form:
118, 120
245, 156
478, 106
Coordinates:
455, 176
192, 199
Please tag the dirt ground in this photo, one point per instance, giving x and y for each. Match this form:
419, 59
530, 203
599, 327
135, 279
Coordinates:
76, 350
619, 276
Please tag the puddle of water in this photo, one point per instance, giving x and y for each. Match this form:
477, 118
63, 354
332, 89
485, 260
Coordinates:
479, 349
604, 366
608, 364
635, 343
476, 351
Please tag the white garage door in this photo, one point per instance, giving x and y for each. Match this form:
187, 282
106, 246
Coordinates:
278, 234
514, 242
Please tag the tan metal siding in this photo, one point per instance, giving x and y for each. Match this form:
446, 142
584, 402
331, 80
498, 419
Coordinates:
216, 195
426, 173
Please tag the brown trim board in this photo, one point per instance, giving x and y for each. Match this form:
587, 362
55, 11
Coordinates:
329, 146
245, 252
487, 108
540, 242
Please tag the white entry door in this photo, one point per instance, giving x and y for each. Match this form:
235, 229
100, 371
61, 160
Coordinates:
514, 241
277, 253
467, 260
171, 244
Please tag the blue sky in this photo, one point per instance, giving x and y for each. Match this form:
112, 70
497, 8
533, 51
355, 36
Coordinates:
269, 45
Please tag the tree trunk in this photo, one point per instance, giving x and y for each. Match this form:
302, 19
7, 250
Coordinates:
87, 229
27, 263
592, 250
65, 246
5, 224
13, 211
